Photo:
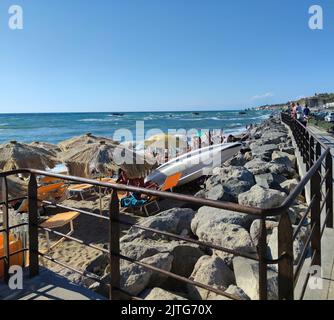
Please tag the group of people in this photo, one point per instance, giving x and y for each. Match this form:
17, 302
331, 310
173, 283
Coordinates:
300, 113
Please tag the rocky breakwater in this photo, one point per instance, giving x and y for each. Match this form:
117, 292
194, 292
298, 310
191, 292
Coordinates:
261, 175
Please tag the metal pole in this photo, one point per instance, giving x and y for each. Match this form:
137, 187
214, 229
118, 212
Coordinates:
329, 187
315, 218
262, 249
33, 226
6, 240
114, 247
311, 153
285, 265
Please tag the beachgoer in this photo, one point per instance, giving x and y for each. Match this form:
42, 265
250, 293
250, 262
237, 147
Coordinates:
293, 110
306, 114
299, 113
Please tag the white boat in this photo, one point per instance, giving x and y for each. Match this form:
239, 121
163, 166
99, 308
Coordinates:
195, 164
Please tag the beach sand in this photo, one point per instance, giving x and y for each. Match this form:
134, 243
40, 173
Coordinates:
88, 229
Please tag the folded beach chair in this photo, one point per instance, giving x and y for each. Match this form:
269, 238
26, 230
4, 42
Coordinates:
151, 206
58, 221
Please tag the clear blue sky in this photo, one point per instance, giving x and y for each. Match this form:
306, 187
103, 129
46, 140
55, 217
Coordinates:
131, 55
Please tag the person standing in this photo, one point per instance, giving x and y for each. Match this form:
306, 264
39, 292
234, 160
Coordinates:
293, 110
299, 113
306, 114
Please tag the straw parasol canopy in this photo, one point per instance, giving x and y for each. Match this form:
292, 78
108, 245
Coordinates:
52, 148
88, 138
100, 158
16, 188
166, 141
15, 155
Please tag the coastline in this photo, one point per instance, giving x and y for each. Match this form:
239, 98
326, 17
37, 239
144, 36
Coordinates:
261, 175
54, 128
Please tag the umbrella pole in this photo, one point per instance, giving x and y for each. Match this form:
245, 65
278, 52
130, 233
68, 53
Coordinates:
100, 196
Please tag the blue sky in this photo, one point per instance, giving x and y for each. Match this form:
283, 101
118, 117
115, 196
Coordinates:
141, 55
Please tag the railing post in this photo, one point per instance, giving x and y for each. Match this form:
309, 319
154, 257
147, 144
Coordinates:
311, 152
33, 226
329, 188
285, 265
6, 249
114, 247
315, 218
307, 151
317, 156
262, 250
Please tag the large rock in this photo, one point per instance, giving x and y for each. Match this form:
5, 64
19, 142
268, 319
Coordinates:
226, 235
298, 245
289, 185
273, 137
221, 174
176, 220
211, 271
270, 181
263, 151
237, 160
233, 290
255, 229
185, 256
281, 166
205, 214
229, 190
160, 294
260, 197
257, 166
135, 278
247, 278
288, 158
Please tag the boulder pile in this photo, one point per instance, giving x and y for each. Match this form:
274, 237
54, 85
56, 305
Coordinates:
261, 175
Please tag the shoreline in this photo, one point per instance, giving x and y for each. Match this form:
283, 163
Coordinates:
61, 126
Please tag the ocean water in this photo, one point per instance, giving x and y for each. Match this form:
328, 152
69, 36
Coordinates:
56, 127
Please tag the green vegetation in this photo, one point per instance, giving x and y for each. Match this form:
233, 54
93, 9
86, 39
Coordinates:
321, 124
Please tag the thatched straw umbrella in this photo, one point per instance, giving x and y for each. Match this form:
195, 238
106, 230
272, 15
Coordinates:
98, 159
52, 148
15, 155
16, 188
78, 142
102, 157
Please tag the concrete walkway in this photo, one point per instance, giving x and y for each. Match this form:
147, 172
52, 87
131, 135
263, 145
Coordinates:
48, 286
327, 247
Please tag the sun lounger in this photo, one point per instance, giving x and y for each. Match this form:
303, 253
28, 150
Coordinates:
81, 189
58, 221
51, 192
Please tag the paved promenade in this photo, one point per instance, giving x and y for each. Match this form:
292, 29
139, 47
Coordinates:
327, 293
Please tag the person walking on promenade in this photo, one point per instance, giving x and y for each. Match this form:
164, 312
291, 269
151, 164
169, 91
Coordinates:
306, 114
293, 110
299, 112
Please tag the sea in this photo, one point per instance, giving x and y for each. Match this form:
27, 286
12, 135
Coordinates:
56, 127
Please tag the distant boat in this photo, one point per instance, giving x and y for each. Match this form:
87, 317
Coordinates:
118, 114
195, 164
196, 113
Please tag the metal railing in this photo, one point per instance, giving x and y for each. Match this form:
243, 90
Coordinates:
315, 154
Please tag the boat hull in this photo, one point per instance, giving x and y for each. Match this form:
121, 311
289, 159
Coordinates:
195, 164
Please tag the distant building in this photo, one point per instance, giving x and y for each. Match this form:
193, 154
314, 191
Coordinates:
329, 105
314, 102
